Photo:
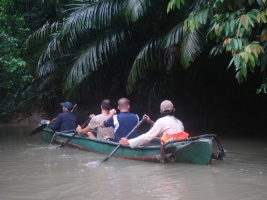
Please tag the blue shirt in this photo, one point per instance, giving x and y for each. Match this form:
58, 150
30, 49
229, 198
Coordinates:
123, 124
65, 121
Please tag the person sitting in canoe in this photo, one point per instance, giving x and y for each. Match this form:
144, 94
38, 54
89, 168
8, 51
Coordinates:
166, 127
123, 122
65, 120
102, 133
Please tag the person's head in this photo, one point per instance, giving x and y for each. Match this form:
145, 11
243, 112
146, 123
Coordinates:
124, 105
166, 107
67, 106
105, 104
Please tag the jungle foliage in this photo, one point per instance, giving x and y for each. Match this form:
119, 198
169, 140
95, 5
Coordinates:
13, 73
141, 46
236, 27
144, 44
19, 18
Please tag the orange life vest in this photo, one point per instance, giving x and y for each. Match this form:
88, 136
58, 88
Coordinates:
176, 136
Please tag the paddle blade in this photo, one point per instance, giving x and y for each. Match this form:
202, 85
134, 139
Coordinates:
111, 153
38, 129
106, 159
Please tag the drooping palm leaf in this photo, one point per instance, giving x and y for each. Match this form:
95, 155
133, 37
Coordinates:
143, 63
146, 60
135, 9
96, 15
191, 47
94, 56
41, 37
98, 31
174, 36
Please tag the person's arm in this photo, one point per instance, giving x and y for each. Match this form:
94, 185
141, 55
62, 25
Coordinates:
92, 115
148, 120
111, 113
88, 128
84, 131
142, 139
55, 126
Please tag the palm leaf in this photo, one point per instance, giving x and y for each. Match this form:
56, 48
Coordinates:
41, 37
143, 63
94, 56
136, 9
174, 36
96, 15
191, 47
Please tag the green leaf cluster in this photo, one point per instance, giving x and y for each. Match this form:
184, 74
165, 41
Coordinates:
237, 27
143, 44
17, 19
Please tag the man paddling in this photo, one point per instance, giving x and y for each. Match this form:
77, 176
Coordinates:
123, 122
102, 132
166, 127
65, 120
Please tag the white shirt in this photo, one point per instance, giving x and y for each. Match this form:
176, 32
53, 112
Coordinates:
168, 124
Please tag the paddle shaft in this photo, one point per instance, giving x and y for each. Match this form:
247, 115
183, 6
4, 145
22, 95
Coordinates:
76, 132
136, 126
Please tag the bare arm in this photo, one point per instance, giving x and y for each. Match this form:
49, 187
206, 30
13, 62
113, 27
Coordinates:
84, 131
111, 113
142, 139
148, 120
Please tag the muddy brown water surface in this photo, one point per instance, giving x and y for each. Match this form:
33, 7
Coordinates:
33, 169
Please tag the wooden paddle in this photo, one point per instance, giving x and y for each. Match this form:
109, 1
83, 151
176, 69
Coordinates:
75, 133
136, 126
40, 128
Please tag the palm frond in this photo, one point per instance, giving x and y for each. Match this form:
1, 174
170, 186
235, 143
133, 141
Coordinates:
94, 56
216, 50
46, 69
136, 9
51, 51
41, 36
95, 15
174, 36
143, 62
190, 7
191, 47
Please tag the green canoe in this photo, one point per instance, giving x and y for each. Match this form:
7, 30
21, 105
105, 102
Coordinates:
197, 150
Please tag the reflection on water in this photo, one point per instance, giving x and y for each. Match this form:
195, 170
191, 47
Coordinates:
33, 169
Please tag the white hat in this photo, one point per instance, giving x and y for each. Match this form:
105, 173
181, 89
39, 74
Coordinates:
166, 106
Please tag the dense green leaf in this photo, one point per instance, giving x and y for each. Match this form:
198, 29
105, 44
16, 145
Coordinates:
129, 42
136, 9
237, 60
227, 29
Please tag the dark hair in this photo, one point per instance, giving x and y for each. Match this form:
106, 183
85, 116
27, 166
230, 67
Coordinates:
106, 104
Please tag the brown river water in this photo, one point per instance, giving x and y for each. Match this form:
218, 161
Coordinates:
31, 169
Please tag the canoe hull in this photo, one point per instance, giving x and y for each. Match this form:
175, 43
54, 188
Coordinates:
196, 152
